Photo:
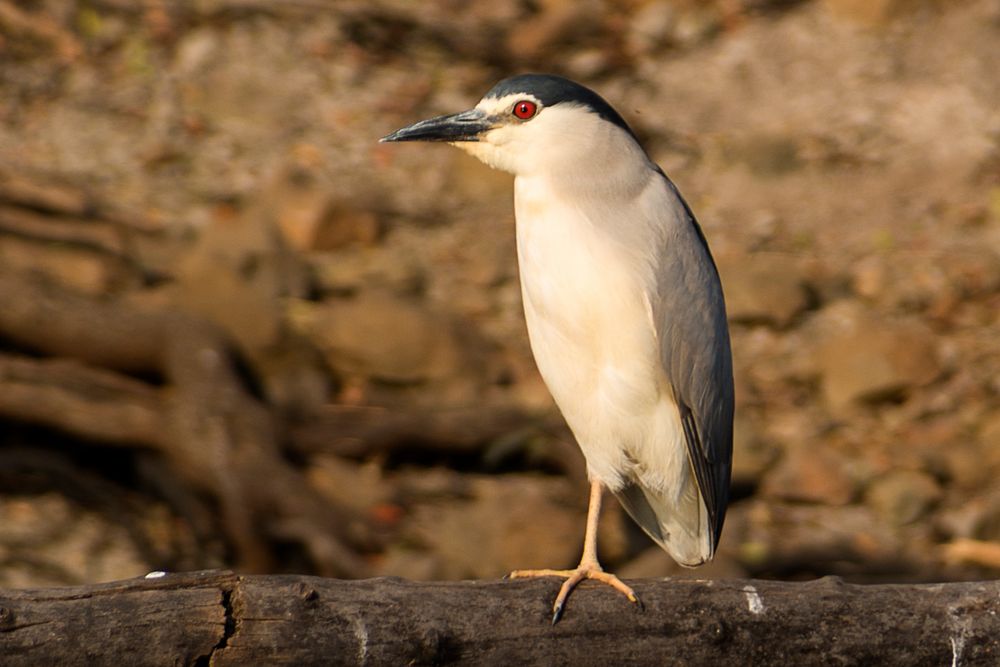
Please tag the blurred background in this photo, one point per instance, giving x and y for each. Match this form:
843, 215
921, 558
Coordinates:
235, 331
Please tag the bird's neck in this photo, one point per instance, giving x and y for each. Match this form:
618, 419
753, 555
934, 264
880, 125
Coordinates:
617, 181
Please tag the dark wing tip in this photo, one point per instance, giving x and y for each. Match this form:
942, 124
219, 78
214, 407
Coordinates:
711, 473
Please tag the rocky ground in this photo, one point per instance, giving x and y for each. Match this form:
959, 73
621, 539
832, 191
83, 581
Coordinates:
843, 158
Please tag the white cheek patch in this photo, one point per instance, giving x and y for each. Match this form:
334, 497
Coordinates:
480, 150
490, 149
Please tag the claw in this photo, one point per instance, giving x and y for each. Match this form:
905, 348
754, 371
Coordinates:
586, 570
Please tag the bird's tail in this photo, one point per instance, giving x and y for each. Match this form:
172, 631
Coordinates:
678, 523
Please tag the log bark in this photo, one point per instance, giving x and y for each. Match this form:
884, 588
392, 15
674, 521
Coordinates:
219, 618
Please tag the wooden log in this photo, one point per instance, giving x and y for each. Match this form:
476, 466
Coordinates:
218, 618
173, 620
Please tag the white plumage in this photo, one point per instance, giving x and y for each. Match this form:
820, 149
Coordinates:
587, 303
623, 306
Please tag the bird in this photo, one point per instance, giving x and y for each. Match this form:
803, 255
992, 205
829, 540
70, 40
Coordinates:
624, 308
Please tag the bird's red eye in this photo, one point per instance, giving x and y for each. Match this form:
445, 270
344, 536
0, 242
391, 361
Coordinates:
525, 109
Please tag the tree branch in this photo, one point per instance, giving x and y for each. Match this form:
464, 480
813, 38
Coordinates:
89, 402
220, 618
212, 430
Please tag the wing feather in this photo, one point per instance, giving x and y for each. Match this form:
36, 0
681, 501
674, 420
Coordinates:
690, 316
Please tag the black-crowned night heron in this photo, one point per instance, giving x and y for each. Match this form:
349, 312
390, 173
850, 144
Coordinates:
624, 309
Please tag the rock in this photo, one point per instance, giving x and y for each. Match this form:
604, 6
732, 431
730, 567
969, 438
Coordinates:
763, 287
402, 560
505, 523
294, 376
982, 553
349, 271
478, 182
870, 13
752, 454
381, 336
654, 562
344, 224
869, 277
557, 23
763, 154
236, 275
308, 213
988, 522
812, 475
696, 24
961, 522
47, 540
300, 211
870, 360
359, 487
81, 270
243, 308
989, 435
973, 271
240, 275
818, 537
651, 27
976, 518
903, 496
317, 221
588, 64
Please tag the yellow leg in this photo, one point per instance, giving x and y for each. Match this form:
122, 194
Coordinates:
588, 568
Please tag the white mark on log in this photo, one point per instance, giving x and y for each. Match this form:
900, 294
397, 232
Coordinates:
754, 603
961, 626
155, 574
361, 633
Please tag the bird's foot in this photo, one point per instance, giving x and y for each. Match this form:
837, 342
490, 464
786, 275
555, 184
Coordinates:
585, 570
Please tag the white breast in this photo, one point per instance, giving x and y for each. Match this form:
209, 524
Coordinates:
585, 291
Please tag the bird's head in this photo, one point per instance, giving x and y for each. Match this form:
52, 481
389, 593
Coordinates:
532, 123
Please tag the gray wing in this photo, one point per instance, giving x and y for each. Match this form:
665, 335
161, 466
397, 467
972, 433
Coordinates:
690, 315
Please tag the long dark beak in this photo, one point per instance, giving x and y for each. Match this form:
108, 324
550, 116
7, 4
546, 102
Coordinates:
465, 126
